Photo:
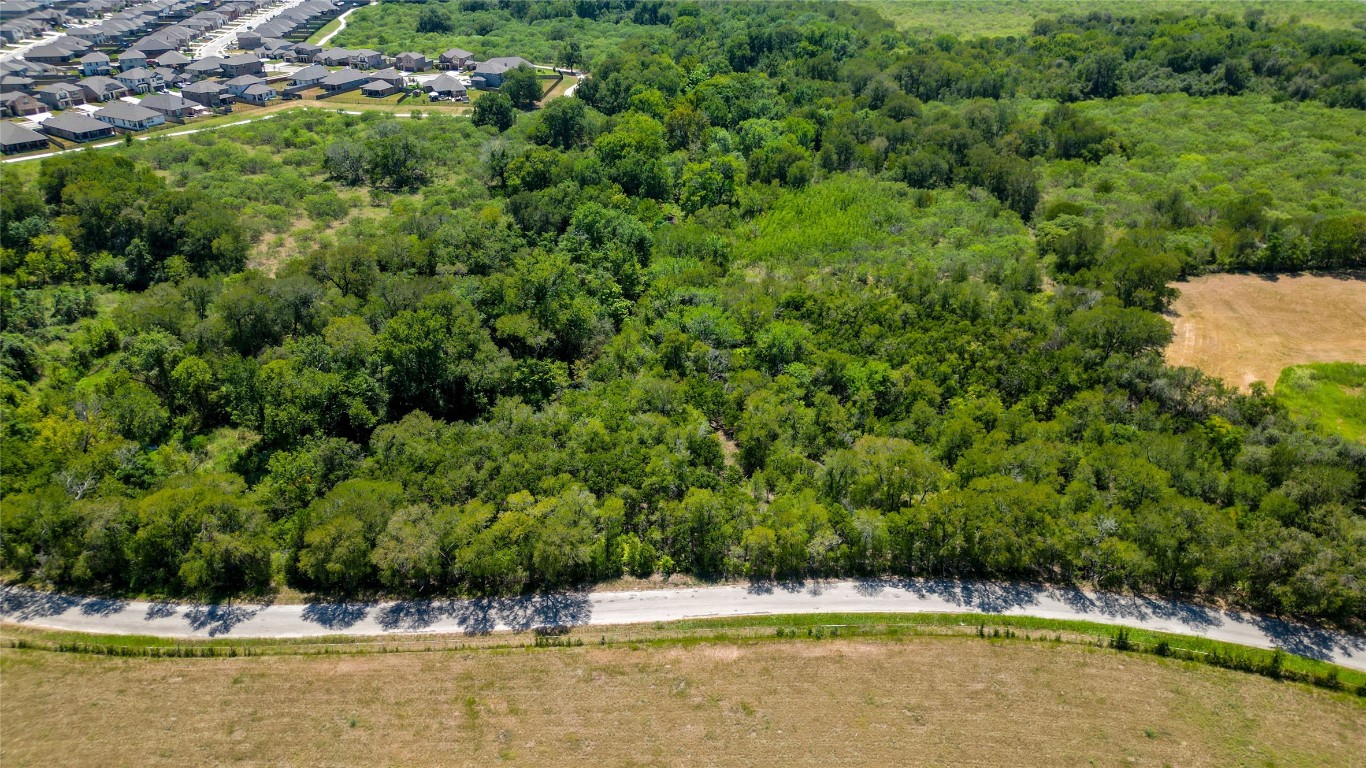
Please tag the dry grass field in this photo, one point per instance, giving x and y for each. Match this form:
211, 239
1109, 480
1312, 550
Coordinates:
1246, 328
923, 701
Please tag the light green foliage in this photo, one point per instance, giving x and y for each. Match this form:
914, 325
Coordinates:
1332, 395
392, 27
993, 18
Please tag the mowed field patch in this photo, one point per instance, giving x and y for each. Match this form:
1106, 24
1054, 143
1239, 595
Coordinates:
1246, 328
924, 701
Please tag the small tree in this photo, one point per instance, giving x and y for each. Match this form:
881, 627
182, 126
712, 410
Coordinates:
522, 87
494, 109
433, 19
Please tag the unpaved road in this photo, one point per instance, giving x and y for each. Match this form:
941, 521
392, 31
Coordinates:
248, 620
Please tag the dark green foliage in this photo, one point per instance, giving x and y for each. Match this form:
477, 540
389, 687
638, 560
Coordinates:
495, 109
766, 300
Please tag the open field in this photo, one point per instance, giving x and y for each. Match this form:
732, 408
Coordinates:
1246, 328
922, 700
995, 18
1333, 395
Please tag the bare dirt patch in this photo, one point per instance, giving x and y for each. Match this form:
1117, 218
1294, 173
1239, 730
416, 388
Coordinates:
922, 701
1246, 328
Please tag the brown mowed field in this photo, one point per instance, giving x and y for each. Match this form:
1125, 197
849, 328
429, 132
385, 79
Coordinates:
923, 701
1246, 328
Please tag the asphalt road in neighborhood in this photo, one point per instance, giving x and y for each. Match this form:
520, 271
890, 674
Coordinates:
252, 620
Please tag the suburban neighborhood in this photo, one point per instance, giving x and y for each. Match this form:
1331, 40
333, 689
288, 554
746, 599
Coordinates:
77, 72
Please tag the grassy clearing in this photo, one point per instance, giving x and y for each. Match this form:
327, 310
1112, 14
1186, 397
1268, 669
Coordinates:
997, 18
1246, 328
865, 700
1332, 395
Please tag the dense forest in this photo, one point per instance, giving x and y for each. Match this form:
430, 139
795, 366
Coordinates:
782, 292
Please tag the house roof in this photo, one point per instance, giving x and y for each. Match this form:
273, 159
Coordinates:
498, 66
209, 64
167, 101
173, 59
411, 55
311, 72
389, 73
257, 90
101, 81
378, 85
242, 58
95, 57
457, 53
344, 76
122, 110
59, 88
244, 80
204, 86
366, 52
47, 51
13, 133
446, 84
136, 73
75, 123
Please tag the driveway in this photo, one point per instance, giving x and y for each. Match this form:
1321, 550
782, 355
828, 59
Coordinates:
249, 620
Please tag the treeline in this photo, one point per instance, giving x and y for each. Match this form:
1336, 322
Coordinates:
729, 324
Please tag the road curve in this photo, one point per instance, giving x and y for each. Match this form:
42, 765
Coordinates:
251, 620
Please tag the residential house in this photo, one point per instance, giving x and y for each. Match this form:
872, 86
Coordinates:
239, 84
456, 58
131, 59
61, 95
276, 48
333, 57
206, 93
49, 54
258, 94
15, 83
489, 74
243, 64
74, 126
95, 63
131, 117
171, 77
140, 80
248, 41
211, 66
447, 86
344, 80
172, 59
376, 89
18, 104
366, 58
16, 138
391, 75
309, 75
100, 88
410, 62
303, 52
170, 106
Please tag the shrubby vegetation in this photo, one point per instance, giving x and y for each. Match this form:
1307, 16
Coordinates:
1329, 394
760, 304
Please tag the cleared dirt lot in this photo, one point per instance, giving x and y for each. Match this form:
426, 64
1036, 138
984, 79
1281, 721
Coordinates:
923, 701
1246, 328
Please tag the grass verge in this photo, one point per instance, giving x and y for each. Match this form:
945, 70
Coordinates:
1274, 664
